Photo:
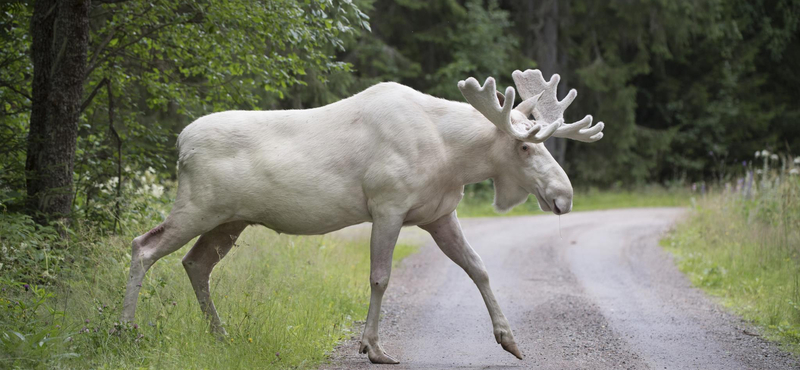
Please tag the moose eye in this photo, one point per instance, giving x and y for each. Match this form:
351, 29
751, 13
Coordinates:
524, 147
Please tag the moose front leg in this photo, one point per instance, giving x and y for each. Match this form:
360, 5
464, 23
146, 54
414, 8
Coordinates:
446, 231
385, 230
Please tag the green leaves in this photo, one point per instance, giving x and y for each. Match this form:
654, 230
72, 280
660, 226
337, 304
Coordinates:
195, 51
29, 250
168, 62
676, 80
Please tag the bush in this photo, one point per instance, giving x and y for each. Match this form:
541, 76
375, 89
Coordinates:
29, 251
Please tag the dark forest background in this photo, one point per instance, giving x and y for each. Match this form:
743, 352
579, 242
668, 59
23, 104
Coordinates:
688, 90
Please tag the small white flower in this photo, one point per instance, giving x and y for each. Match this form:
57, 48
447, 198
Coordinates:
794, 172
758, 153
157, 190
797, 161
774, 157
764, 153
758, 172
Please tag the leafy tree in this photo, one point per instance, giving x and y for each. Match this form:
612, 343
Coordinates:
447, 42
158, 64
680, 84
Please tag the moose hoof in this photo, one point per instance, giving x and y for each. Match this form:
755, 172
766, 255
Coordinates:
506, 340
377, 355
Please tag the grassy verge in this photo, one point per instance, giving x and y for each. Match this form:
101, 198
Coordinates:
747, 253
480, 204
286, 302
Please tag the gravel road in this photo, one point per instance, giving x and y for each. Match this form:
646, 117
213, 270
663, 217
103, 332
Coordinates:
599, 294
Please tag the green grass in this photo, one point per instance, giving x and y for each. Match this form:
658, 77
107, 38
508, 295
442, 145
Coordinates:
480, 204
286, 301
747, 253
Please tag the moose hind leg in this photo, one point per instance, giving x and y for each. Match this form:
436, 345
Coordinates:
200, 261
177, 230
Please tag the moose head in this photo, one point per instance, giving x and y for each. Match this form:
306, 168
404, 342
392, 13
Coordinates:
533, 170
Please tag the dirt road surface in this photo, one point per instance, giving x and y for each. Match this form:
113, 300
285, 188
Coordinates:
600, 294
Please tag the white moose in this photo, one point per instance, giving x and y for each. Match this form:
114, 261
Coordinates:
390, 155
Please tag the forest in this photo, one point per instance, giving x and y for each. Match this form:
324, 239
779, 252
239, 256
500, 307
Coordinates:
93, 94
689, 89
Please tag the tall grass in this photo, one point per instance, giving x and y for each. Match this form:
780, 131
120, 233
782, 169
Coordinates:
285, 300
744, 247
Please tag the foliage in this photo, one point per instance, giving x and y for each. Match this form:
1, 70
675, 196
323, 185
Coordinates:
27, 335
29, 250
165, 63
15, 102
744, 247
683, 84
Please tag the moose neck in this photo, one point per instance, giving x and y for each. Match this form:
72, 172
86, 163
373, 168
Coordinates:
473, 143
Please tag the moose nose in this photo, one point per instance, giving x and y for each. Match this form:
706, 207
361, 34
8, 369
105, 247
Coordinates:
561, 206
555, 208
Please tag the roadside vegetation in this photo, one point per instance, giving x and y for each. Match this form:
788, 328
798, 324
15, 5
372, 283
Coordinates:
478, 200
286, 300
742, 244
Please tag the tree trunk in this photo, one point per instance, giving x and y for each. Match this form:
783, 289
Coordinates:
60, 38
549, 58
546, 35
42, 22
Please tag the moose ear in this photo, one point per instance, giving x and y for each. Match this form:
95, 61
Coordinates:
501, 98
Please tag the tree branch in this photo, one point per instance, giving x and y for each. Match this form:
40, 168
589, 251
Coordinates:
12, 88
102, 46
113, 32
25, 109
119, 152
88, 100
121, 48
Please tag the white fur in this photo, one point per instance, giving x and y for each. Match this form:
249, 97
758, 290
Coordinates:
390, 155
318, 170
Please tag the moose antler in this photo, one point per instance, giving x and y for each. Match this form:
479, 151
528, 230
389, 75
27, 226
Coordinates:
531, 83
486, 100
